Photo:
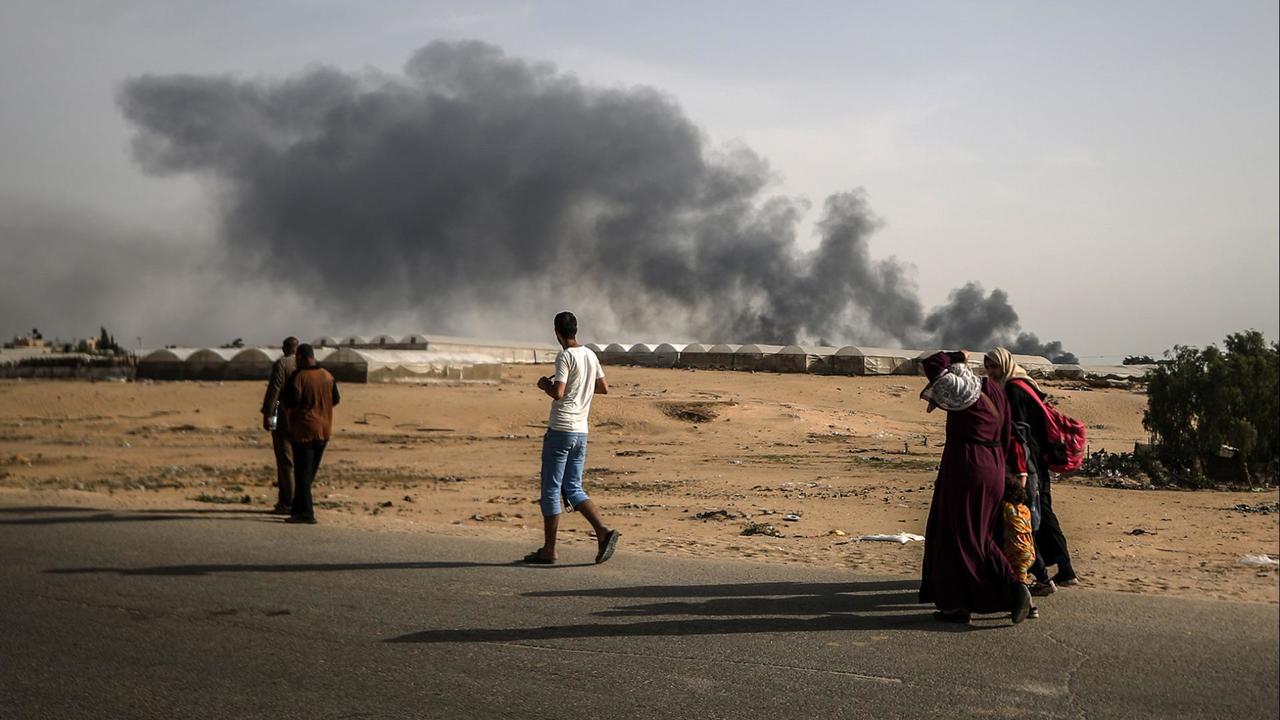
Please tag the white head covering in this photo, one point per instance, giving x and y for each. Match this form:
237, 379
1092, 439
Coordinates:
955, 389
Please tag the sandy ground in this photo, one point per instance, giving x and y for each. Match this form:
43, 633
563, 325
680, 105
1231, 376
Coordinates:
848, 456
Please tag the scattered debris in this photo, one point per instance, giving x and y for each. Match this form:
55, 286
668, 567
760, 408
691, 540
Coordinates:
449, 478
1260, 508
498, 516
755, 528
837, 533
1124, 483
418, 428
386, 504
510, 500
1140, 531
1262, 560
902, 538
791, 517
408, 499
718, 514
650, 506
1112, 465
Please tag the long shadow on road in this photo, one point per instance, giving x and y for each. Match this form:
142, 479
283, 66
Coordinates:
708, 609
68, 515
778, 607
736, 589
196, 570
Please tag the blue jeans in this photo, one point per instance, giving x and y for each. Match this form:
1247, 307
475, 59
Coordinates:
563, 456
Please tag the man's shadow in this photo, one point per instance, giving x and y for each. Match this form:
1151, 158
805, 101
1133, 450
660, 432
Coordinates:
70, 515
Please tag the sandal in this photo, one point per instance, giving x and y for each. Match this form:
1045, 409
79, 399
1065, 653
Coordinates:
535, 558
610, 543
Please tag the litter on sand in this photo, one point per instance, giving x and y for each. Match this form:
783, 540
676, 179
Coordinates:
755, 528
1262, 560
901, 538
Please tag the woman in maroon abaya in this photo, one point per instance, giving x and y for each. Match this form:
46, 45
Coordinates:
964, 569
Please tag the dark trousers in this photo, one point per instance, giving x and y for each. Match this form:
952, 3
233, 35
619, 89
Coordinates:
1051, 544
1038, 570
284, 468
306, 461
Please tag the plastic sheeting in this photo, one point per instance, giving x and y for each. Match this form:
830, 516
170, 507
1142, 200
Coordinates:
409, 366
862, 360
815, 359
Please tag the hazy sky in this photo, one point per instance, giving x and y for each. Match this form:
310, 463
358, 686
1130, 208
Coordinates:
1113, 166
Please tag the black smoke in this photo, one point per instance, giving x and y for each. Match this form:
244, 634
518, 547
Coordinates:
480, 190
971, 318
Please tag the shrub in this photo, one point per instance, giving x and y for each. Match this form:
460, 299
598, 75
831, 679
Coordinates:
1214, 415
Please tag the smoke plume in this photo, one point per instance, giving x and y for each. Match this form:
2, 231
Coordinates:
81, 269
973, 319
480, 193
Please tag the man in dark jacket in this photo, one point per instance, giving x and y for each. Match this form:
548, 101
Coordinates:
309, 398
276, 422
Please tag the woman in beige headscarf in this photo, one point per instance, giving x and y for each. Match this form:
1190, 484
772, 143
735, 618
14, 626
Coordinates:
1002, 368
1031, 461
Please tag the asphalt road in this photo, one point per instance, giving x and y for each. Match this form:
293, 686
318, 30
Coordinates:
227, 614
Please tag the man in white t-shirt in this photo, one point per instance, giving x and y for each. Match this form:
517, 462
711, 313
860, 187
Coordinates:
577, 379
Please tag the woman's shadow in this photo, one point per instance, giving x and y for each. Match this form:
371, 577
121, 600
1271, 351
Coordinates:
776, 607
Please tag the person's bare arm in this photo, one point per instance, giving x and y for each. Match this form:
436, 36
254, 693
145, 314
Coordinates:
602, 386
554, 390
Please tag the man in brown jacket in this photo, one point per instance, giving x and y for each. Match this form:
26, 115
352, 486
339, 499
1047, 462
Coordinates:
309, 397
276, 422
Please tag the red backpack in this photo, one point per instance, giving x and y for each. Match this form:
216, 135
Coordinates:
1065, 434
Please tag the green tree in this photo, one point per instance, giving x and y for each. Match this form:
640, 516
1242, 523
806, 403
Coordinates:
1202, 400
106, 341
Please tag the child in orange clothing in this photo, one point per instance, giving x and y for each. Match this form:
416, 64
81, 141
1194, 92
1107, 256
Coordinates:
1019, 539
